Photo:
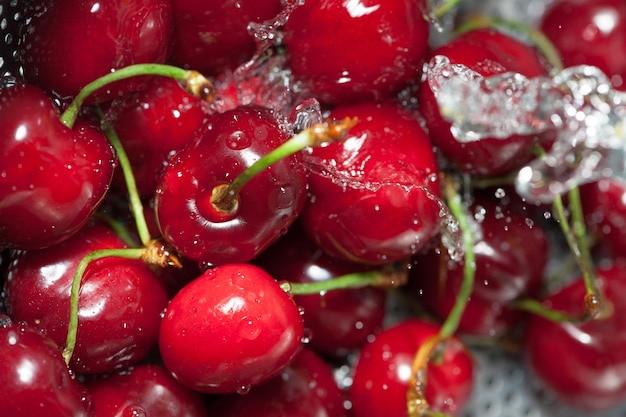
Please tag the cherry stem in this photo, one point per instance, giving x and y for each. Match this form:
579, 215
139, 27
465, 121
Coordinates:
391, 276
136, 205
444, 8
72, 327
195, 83
538, 308
457, 208
316, 135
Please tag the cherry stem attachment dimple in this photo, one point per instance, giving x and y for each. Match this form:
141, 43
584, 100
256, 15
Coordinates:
388, 277
315, 135
195, 83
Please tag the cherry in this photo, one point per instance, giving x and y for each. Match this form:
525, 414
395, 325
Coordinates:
340, 321
581, 362
373, 198
590, 33
488, 52
230, 329
69, 43
53, 178
212, 37
511, 255
348, 51
144, 389
189, 213
306, 388
154, 123
119, 304
34, 378
384, 367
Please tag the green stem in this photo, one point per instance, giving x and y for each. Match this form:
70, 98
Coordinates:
456, 207
71, 113
133, 193
538, 308
72, 327
443, 9
388, 277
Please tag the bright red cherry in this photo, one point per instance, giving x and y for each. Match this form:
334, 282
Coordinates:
143, 390
230, 329
373, 198
52, 178
34, 378
69, 43
582, 363
348, 51
590, 33
187, 213
487, 52
384, 367
119, 305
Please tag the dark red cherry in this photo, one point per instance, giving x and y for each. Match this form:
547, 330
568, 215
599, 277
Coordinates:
34, 378
340, 321
211, 37
230, 329
384, 367
143, 390
154, 123
373, 198
52, 178
267, 205
589, 33
488, 52
306, 388
69, 43
511, 255
582, 362
120, 300
348, 51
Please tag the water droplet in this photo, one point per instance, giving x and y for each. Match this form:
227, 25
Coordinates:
307, 336
134, 411
249, 328
282, 197
243, 389
238, 140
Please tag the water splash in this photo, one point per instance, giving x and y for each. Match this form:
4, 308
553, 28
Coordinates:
579, 103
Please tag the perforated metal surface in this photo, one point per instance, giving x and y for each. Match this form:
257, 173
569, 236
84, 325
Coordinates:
11, 17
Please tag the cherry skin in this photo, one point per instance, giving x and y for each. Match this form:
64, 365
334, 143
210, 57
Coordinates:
487, 52
35, 380
152, 124
346, 51
589, 33
229, 330
144, 389
58, 45
53, 178
383, 369
267, 205
306, 388
340, 321
511, 254
212, 37
374, 198
120, 301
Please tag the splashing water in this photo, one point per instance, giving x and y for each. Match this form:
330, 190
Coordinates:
578, 102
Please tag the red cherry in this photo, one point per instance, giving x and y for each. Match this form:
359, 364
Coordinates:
511, 254
211, 37
143, 390
230, 329
340, 321
373, 198
390, 47
267, 205
154, 123
582, 362
487, 52
590, 33
384, 366
120, 301
52, 178
69, 43
306, 388
35, 380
